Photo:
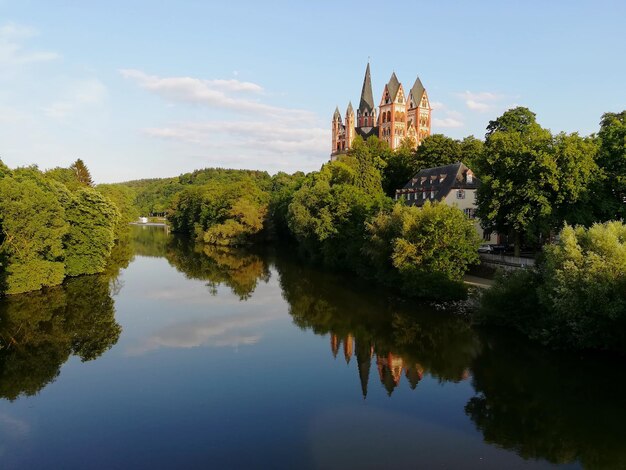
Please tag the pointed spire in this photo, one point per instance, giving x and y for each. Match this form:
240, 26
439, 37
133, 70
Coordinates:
337, 115
348, 344
334, 344
417, 91
350, 110
364, 363
393, 86
367, 98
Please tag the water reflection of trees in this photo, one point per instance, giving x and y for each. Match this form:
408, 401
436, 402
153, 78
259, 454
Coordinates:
546, 405
39, 331
149, 240
401, 338
239, 270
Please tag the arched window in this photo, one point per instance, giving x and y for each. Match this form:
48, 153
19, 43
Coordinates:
389, 116
384, 117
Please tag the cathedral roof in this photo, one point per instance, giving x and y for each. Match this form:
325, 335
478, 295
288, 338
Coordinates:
367, 133
417, 92
393, 86
367, 98
337, 115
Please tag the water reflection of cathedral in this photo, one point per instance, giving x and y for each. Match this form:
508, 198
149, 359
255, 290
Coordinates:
390, 366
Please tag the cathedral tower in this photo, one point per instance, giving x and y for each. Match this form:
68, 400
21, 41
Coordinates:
366, 114
349, 126
392, 119
419, 113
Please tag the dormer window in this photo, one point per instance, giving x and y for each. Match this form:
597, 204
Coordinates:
423, 180
441, 178
469, 177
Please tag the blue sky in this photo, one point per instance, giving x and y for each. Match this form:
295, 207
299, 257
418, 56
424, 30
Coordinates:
153, 88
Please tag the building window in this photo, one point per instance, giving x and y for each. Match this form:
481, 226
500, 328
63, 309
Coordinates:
469, 177
424, 195
460, 194
487, 235
432, 194
470, 213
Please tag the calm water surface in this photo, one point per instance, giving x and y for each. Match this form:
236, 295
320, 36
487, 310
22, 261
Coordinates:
191, 357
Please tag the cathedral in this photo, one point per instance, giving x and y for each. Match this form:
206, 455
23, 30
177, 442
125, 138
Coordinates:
399, 117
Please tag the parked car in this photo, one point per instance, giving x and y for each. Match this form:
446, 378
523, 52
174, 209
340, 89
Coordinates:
485, 249
499, 249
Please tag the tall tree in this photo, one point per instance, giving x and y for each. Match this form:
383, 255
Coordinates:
612, 161
437, 150
471, 151
519, 175
533, 182
88, 244
82, 173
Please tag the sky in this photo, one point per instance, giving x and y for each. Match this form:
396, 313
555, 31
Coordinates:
144, 89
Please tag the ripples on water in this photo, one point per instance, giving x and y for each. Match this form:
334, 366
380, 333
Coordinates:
204, 357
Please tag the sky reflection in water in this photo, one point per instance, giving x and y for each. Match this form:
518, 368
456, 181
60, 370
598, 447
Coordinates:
200, 357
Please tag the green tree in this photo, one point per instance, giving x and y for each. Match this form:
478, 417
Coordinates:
519, 176
532, 182
611, 191
425, 250
437, 150
124, 199
92, 218
33, 226
574, 201
65, 176
471, 152
226, 213
400, 168
283, 188
575, 298
328, 213
82, 173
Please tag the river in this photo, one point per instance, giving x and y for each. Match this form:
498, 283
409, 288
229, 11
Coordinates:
183, 356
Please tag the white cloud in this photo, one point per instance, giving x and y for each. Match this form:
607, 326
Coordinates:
447, 122
437, 105
12, 51
84, 93
211, 93
273, 136
482, 102
221, 331
444, 117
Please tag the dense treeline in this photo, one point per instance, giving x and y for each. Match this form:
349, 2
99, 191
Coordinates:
156, 196
52, 225
537, 185
343, 215
575, 298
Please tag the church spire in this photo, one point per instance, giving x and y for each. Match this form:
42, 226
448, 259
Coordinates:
367, 97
